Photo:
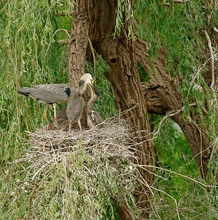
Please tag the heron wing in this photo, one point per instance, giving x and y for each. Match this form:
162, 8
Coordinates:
48, 93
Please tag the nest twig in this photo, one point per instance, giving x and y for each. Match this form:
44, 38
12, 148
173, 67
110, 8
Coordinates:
111, 140
80, 168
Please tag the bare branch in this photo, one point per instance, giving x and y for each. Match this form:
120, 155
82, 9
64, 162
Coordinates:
63, 41
64, 13
174, 1
212, 58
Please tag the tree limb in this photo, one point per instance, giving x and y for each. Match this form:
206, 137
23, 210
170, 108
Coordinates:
64, 13
162, 91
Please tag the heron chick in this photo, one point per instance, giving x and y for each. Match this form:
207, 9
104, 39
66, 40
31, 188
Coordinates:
74, 110
93, 118
75, 107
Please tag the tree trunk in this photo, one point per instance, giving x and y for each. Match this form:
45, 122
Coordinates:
160, 94
77, 54
123, 74
78, 42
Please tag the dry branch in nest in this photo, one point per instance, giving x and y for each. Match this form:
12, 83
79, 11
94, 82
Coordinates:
111, 141
75, 175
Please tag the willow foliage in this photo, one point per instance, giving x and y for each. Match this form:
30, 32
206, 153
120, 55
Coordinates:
26, 57
29, 55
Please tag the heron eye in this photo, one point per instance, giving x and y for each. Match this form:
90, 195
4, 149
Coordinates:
81, 83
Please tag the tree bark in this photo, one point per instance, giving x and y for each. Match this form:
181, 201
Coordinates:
78, 42
120, 55
160, 94
123, 75
77, 48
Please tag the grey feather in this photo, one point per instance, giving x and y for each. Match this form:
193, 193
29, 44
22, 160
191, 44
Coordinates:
56, 93
93, 117
74, 109
48, 93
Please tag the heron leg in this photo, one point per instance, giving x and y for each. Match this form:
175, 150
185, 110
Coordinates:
45, 114
70, 125
80, 127
55, 115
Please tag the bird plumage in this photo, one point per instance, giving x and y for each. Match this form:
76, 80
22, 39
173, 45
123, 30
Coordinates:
85, 80
48, 93
93, 117
74, 110
56, 93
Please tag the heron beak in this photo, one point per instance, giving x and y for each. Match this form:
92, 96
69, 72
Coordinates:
91, 89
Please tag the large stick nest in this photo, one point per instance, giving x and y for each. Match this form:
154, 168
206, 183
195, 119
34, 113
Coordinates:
74, 174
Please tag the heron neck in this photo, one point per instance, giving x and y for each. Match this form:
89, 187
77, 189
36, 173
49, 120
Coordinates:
90, 102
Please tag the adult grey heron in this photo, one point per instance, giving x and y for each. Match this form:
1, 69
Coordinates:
55, 93
93, 118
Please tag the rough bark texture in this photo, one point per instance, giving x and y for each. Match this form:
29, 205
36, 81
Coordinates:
126, 212
78, 42
123, 76
160, 94
77, 47
120, 55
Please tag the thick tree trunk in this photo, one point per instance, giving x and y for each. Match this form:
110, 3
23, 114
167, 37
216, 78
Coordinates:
120, 55
123, 76
77, 54
160, 94
78, 42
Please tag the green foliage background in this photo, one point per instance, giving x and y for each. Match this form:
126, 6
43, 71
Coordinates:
30, 54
